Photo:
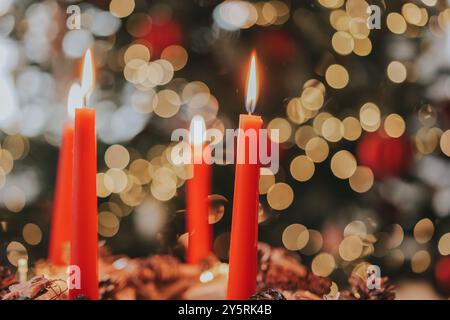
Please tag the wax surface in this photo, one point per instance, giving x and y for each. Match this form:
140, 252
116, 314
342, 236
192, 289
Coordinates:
197, 210
244, 228
62, 204
84, 242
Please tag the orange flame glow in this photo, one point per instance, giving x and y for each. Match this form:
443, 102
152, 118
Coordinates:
87, 77
252, 86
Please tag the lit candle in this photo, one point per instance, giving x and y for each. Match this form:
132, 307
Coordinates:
197, 191
84, 242
244, 228
62, 203
22, 270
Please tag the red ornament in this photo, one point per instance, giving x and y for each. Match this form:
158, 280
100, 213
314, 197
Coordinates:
386, 156
277, 45
442, 274
161, 35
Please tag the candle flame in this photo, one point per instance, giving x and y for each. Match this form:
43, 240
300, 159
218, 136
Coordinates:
87, 78
197, 131
252, 85
74, 100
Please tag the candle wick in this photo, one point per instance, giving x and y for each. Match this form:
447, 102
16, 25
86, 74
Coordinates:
84, 101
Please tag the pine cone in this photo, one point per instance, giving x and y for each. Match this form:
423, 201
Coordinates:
269, 294
279, 269
160, 268
38, 288
107, 288
360, 291
6, 278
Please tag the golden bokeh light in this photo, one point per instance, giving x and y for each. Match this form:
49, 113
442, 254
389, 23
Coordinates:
164, 184
394, 125
314, 83
343, 43
427, 139
352, 128
343, 164
136, 51
445, 143
359, 28
266, 180
295, 237
303, 135
319, 121
317, 149
121, 8
362, 180
370, 117
340, 20
17, 146
280, 196
302, 168
423, 231
331, 4
118, 177
144, 101
283, 128
337, 76
396, 236
444, 244
355, 228
420, 261
16, 251
296, 112
117, 156
412, 13
176, 55
105, 185
396, 23
323, 264
351, 248
32, 234
168, 103
142, 170
312, 98
397, 72
363, 47
108, 224
133, 194
196, 94
6, 161
332, 129
314, 244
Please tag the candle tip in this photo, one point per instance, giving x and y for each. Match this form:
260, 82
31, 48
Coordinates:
252, 85
74, 99
87, 79
197, 131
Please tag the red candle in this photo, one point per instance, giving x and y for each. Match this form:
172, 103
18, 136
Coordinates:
244, 229
84, 242
197, 191
62, 204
